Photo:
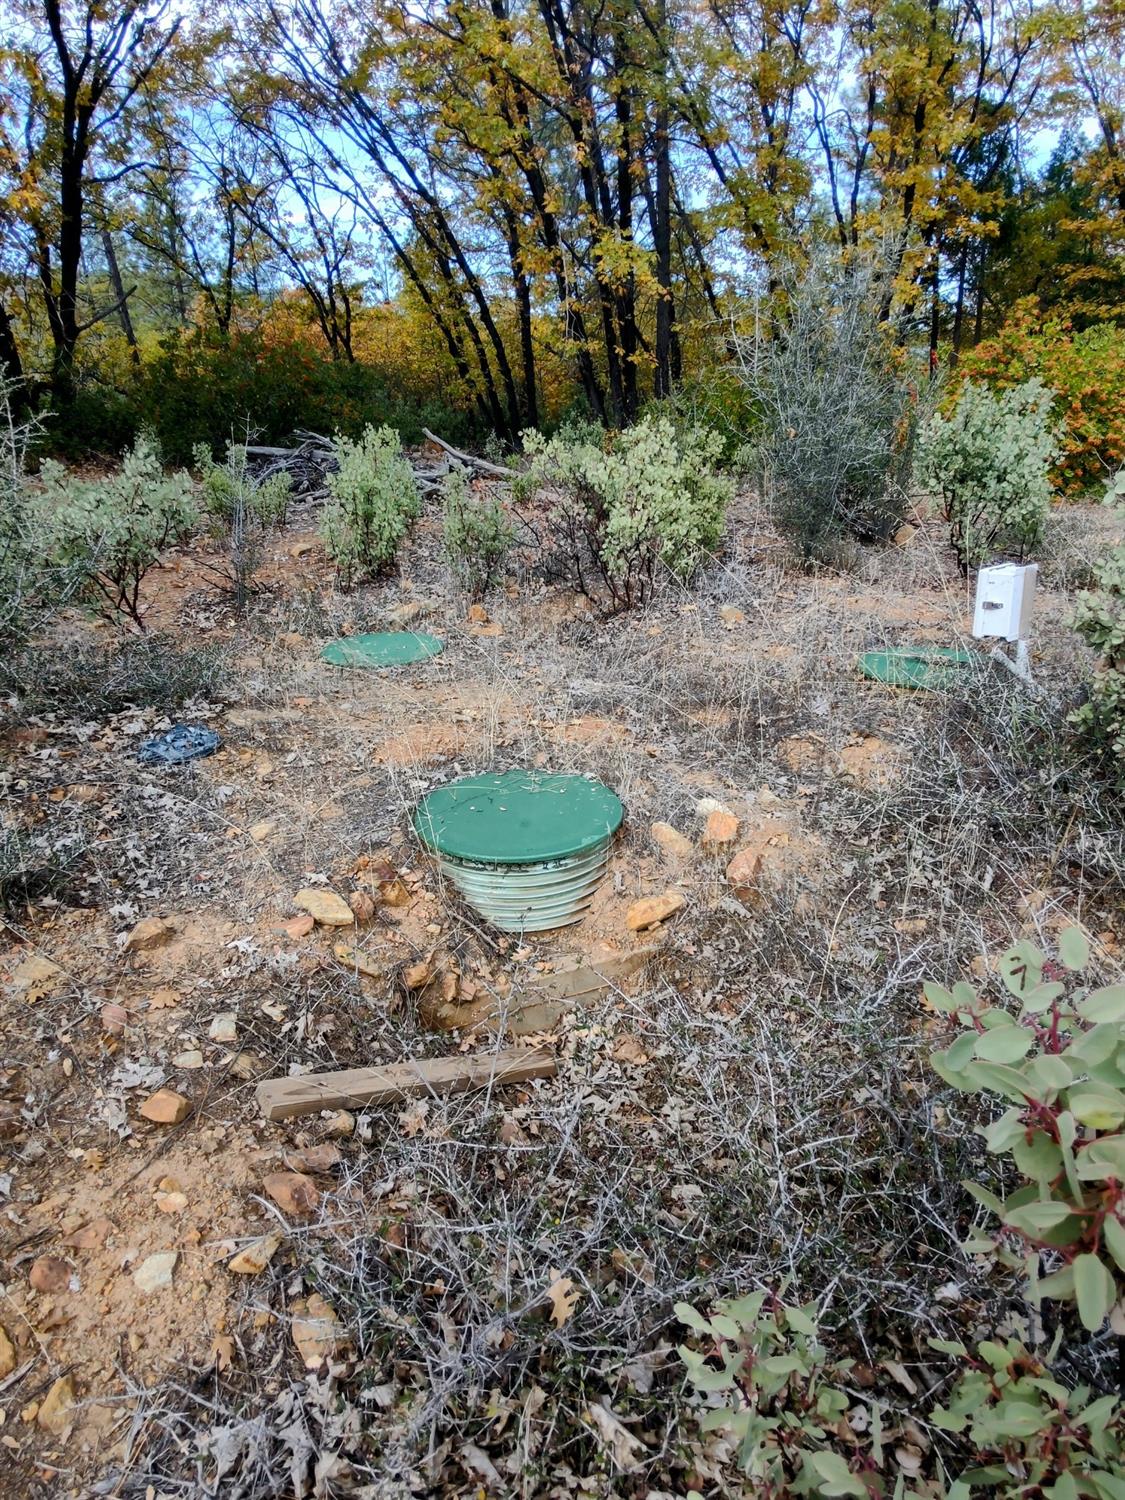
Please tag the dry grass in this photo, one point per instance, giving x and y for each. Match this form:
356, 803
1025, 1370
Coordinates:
773, 1119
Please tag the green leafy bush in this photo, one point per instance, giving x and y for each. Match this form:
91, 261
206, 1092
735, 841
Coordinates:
1060, 1066
228, 486
478, 535
114, 528
653, 500
1100, 620
835, 409
989, 460
1029, 1434
31, 586
1085, 371
197, 385
800, 1427
373, 499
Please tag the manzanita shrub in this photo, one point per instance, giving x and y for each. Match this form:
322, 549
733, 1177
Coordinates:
1099, 619
32, 584
627, 507
989, 462
1057, 1060
477, 533
112, 530
230, 488
373, 498
799, 1426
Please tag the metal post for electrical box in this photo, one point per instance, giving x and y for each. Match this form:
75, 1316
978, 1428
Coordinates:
1004, 600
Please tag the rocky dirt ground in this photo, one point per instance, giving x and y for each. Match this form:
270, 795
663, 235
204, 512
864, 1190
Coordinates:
474, 1295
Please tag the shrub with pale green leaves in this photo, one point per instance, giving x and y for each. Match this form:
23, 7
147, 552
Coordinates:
113, 529
990, 461
628, 507
229, 488
1058, 1064
373, 498
478, 535
1100, 620
799, 1425
32, 586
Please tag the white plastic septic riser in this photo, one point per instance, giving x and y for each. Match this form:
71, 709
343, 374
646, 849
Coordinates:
1004, 601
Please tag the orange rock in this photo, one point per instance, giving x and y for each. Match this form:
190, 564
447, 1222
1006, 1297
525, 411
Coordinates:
152, 932
317, 1332
91, 1236
652, 909
672, 843
329, 909
744, 869
55, 1414
255, 1257
9, 1359
362, 905
49, 1274
115, 1018
320, 1158
296, 927
393, 892
293, 1192
768, 853
166, 1108
720, 830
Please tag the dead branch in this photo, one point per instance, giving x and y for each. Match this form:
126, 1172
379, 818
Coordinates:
470, 460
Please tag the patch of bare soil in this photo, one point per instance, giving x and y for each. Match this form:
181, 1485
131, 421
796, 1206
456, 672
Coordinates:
450, 1283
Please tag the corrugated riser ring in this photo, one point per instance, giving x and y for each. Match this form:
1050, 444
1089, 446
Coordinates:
531, 898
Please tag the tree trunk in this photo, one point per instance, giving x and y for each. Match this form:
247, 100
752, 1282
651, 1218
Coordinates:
978, 319
115, 281
72, 163
11, 365
530, 404
662, 230
959, 310
626, 296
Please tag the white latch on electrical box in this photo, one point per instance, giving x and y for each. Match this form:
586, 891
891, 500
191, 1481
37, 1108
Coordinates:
1005, 594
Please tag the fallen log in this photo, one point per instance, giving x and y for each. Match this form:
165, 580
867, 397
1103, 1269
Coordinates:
470, 460
361, 1088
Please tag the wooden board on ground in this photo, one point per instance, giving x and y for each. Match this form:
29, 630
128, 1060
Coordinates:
360, 1088
576, 981
550, 996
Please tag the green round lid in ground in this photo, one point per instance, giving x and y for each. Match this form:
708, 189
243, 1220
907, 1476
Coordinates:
517, 817
931, 667
384, 648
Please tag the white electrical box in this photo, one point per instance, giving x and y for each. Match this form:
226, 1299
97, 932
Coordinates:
1005, 595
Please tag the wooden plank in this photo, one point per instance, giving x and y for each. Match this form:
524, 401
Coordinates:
587, 980
286, 1098
549, 997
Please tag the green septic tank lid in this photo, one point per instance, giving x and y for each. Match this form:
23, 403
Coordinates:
517, 817
384, 648
931, 667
